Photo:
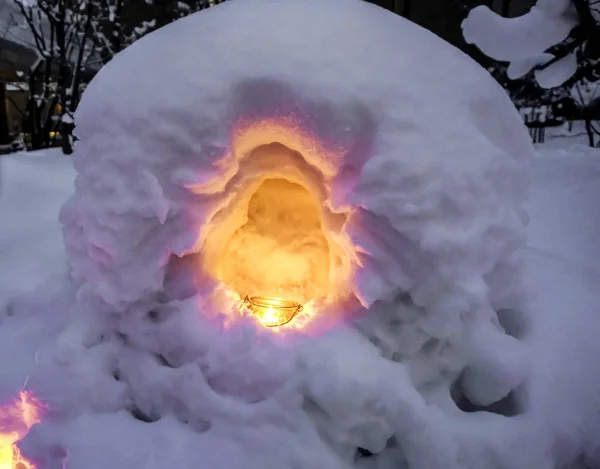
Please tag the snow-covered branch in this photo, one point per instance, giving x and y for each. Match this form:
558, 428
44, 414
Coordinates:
552, 39
557, 44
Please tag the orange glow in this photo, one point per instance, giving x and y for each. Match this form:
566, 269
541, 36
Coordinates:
249, 135
287, 132
280, 251
275, 235
16, 419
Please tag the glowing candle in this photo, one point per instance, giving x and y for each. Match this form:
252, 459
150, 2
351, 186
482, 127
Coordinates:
271, 312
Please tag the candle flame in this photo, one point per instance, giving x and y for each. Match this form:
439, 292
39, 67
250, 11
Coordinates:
270, 311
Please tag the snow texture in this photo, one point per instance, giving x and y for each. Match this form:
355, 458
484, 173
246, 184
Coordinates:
523, 41
519, 68
557, 73
23, 250
558, 424
431, 161
563, 407
566, 178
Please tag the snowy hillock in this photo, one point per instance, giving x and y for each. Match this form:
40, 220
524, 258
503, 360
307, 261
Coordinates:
383, 193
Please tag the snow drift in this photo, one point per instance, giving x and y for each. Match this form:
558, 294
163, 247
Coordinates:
305, 153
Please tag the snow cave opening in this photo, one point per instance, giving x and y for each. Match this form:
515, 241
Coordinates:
280, 251
276, 239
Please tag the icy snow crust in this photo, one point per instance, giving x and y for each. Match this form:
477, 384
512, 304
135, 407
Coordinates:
430, 161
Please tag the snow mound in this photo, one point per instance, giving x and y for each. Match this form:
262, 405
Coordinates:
294, 157
398, 153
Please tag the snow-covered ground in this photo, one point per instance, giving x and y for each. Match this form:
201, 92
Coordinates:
393, 214
563, 204
33, 186
564, 267
566, 135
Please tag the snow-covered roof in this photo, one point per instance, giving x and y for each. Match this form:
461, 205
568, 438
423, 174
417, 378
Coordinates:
17, 48
12, 25
24, 86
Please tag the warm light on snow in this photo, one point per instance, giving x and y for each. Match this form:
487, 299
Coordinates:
271, 312
281, 250
277, 239
248, 135
380, 191
16, 418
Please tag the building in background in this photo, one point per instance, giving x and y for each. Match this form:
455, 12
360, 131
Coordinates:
17, 55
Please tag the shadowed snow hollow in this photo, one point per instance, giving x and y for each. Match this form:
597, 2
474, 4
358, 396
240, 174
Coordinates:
307, 155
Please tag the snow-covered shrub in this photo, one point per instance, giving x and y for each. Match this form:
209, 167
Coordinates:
557, 42
550, 40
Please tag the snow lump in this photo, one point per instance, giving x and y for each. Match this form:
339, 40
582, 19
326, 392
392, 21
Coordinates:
328, 152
